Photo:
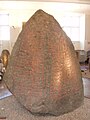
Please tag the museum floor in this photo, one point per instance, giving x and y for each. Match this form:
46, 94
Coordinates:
10, 109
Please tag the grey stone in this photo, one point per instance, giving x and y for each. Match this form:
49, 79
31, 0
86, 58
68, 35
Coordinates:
44, 73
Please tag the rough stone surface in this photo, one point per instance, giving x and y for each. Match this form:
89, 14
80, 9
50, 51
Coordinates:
43, 72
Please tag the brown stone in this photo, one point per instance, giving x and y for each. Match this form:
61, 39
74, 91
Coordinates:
43, 73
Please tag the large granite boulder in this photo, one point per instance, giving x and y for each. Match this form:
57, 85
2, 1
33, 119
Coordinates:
43, 72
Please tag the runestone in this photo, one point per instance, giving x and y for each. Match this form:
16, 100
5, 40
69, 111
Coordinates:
44, 73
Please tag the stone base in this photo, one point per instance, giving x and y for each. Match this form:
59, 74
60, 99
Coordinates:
12, 110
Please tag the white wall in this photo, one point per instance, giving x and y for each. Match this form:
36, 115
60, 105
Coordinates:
87, 32
21, 12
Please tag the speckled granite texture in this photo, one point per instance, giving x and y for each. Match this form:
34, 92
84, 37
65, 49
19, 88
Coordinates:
12, 110
44, 73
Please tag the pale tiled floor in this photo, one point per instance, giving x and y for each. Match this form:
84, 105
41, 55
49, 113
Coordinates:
86, 84
4, 92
